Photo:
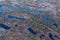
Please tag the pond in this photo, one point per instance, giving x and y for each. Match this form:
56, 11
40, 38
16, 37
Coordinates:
4, 26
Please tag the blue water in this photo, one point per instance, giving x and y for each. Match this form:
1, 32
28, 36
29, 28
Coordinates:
55, 25
20, 18
34, 12
11, 16
11, 8
47, 19
38, 12
29, 11
16, 25
26, 7
4, 7
32, 31
4, 26
51, 36
19, 8
42, 36
1, 12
